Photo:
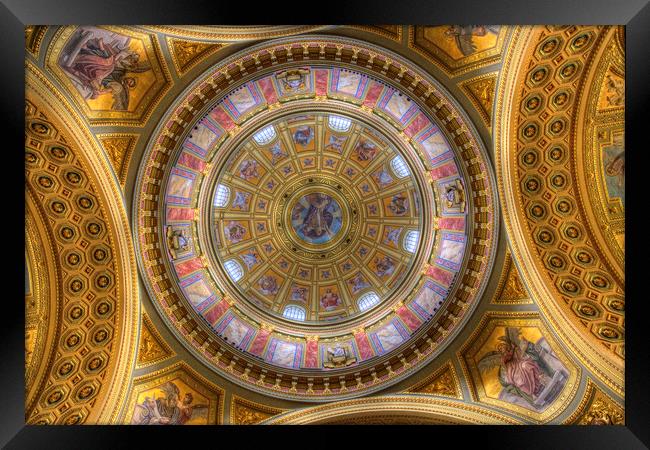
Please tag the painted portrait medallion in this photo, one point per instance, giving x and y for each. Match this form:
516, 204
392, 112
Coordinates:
316, 218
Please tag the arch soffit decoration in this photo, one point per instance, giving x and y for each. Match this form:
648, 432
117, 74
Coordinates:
546, 62
107, 343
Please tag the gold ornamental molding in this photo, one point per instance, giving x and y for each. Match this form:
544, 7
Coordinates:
510, 290
393, 32
536, 123
395, 409
246, 412
597, 408
152, 348
119, 147
87, 232
34, 37
226, 33
187, 54
480, 90
443, 381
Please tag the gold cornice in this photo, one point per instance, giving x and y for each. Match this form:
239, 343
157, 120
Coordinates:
424, 407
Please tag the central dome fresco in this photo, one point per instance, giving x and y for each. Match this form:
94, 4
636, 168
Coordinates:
316, 220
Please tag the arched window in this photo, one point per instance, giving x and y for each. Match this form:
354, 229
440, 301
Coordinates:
411, 241
367, 301
222, 196
339, 123
265, 135
294, 312
399, 167
234, 270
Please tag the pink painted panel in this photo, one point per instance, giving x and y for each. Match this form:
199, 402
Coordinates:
216, 312
222, 118
409, 318
419, 123
440, 275
311, 354
451, 223
180, 214
268, 90
187, 267
321, 82
257, 347
373, 93
365, 350
191, 161
445, 170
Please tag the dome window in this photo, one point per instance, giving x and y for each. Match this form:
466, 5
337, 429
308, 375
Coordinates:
411, 241
367, 301
222, 196
234, 270
399, 167
294, 312
265, 135
339, 123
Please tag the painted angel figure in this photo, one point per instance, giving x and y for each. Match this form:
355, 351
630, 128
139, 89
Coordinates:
147, 413
463, 35
529, 373
177, 411
102, 67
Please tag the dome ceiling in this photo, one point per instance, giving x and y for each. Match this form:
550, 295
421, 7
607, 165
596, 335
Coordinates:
316, 228
315, 217
318, 214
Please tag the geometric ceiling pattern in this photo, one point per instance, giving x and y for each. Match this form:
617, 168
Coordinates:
325, 224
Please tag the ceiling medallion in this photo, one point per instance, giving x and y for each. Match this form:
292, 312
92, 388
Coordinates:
305, 234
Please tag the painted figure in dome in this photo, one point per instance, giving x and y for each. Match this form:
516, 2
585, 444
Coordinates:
241, 200
531, 375
299, 293
330, 300
101, 67
169, 410
463, 36
384, 266
248, 169
336, 143
365, 150
316, 218
147, 413
383, 178
358, 283
398, 204
250, 259
268, 285
277, 153
303, 135
392, 236
234, 232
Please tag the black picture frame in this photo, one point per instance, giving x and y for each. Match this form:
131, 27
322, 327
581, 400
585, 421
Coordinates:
15, 14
